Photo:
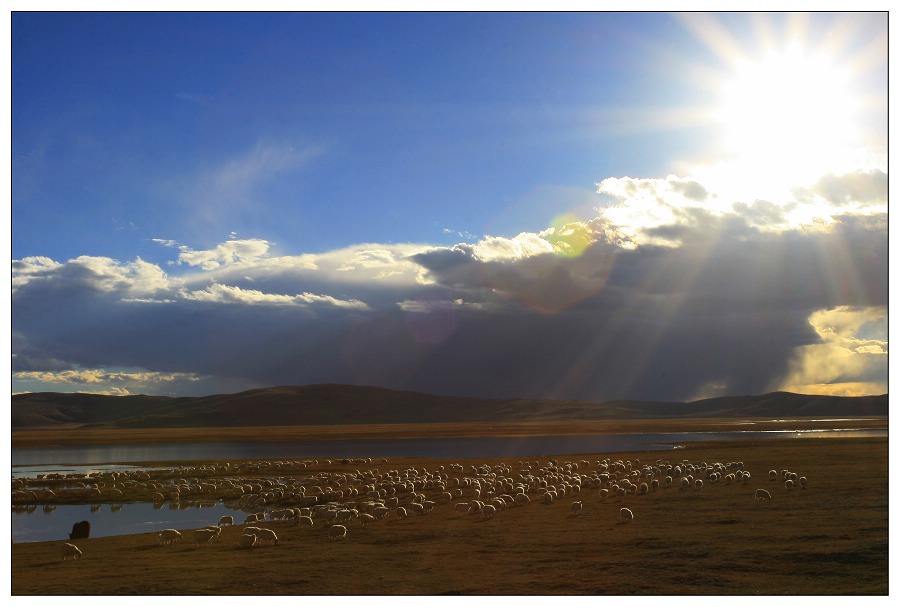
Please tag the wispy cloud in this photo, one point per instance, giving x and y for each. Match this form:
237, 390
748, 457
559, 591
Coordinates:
232, 193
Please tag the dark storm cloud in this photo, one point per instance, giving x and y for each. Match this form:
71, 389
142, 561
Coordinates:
725, 311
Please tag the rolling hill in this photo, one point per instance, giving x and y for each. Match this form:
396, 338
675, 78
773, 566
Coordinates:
333, 404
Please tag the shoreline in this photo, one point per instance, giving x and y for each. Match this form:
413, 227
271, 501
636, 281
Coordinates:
28, 438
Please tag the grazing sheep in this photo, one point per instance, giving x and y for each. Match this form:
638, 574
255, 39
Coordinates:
365, 519
248, 540
70, 551
773, 475
698, 484
788, 484
802, 481
254, 518
762, 494
626, 515
402, 513
343, 516
522, 499
168, 536
576, 508
337, 532
461, 508
266, 535
488, 511
416, 507
604, 493
204, 536
307, 520
226, 520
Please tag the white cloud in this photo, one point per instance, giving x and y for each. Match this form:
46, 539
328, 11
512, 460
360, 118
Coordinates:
224, 294
225, 254
129, 279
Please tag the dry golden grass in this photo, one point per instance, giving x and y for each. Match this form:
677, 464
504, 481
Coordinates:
829, 539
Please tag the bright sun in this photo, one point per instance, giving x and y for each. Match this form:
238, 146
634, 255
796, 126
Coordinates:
789, 107
790, 98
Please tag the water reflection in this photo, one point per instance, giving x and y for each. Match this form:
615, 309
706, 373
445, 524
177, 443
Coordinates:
524, 446
39, 525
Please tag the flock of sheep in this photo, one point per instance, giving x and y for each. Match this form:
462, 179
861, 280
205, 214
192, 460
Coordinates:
279, 492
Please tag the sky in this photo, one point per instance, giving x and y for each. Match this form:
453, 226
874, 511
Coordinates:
589, 206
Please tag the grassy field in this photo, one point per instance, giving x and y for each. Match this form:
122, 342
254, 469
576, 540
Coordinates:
828, 539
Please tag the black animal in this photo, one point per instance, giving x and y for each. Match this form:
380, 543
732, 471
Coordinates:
80, 530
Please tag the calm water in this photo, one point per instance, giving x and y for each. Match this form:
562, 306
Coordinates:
40, 526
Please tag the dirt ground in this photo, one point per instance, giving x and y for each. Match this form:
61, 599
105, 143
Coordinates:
830, 538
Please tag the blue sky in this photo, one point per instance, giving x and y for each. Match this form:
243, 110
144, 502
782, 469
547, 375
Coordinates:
466, 203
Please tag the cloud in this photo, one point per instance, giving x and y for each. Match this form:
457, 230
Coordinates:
216, 293
100, 381
860, 189
850, 356
234, 191
224, 254
703, 297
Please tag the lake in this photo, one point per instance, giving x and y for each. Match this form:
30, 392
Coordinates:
39, 526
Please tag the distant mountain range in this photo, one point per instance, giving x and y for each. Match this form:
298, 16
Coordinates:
334, 404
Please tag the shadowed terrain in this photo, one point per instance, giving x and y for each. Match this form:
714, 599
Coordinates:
330, 404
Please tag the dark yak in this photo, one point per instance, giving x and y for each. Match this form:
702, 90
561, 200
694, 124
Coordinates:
80, 530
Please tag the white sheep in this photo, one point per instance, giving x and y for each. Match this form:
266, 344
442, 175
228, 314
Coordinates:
337, 532
762, 494
802, 481
266, 535
307, 520
70, 551
522, 499
788, 484
168, 536
461, 508
576, 508
773, 475
248, 540
698, 484
401, 512
488, 511
204, 536
625, 515
226, 520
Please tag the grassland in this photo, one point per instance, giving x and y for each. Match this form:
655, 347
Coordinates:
828, 539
